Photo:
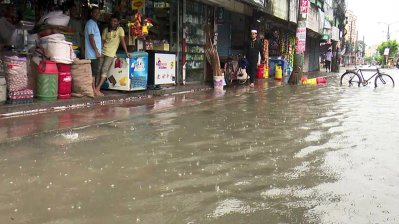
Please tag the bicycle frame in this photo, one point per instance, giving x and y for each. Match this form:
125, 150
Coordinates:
381, 78
366, 81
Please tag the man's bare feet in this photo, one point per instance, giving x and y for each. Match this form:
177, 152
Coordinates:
98, 93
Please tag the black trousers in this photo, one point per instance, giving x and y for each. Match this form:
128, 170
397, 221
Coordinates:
252, 69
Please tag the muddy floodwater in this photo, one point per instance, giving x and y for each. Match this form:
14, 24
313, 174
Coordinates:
282, 154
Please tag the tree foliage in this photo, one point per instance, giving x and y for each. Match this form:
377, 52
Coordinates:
391, 44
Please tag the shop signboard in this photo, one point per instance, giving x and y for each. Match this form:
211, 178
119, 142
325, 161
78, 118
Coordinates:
386, 51
322, 19
280, 9
313, 20
334, 33
161, 5
300, 38
138, 4
293, 11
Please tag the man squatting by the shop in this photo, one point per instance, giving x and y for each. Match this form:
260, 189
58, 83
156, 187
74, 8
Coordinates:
254, 49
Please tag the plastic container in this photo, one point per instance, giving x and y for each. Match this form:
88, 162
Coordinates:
279, 73
260, 72
310, 81
218, 82
266, 72
321, 80
64, 81
47, 81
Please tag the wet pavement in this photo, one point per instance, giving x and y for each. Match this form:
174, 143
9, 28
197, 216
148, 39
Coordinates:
273, 154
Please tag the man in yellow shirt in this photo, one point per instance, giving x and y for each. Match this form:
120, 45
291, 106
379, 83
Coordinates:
112, 36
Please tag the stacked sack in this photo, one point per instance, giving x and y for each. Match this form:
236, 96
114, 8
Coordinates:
55, 48
17, 80
52, 39
50, 50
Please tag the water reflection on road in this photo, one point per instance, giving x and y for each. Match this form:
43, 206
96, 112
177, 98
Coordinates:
308, 154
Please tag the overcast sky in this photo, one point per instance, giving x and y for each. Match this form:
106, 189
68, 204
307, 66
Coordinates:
369, 13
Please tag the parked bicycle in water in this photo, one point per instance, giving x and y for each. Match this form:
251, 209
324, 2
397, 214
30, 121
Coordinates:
355, 77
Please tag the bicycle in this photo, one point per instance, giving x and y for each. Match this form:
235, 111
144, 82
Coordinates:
355, 77
235, 69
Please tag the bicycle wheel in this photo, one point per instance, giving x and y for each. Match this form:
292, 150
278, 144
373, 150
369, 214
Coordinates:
350, 79
384, 80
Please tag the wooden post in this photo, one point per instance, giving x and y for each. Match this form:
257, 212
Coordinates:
300, 42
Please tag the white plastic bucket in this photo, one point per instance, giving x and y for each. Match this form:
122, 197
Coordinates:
218, 82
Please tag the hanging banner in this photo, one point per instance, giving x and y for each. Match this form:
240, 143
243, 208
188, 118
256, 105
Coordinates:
300, 38
138, 4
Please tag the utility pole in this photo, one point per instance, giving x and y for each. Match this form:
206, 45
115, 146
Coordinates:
356, 46
300, 47
350, 42
363, 48
388, 28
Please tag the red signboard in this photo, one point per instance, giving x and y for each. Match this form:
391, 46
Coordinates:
304, 7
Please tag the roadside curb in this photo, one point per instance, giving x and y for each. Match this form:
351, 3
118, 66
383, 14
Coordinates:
111, 97
114, 97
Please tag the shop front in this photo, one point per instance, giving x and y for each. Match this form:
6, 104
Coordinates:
277, 26
227, 22
152, 38
195, 18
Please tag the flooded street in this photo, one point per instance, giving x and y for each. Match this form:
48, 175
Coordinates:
287, 154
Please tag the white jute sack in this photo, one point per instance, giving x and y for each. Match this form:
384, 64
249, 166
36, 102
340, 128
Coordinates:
59, 51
